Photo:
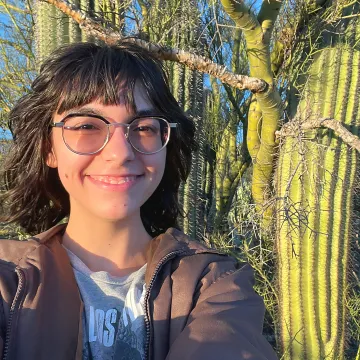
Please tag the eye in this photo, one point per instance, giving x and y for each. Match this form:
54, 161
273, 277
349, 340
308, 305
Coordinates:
84, 124
143, 128
85, 127
148, 126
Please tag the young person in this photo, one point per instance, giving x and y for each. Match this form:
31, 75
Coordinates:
100, 139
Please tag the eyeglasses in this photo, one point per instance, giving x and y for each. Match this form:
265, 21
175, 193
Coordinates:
87, 134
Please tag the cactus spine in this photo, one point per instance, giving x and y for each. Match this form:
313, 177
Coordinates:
315, 178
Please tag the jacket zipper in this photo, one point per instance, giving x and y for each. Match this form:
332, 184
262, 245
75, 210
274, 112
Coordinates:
14, 307
147, 296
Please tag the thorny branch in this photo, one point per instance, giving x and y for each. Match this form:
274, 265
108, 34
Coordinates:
292, 129
195, 62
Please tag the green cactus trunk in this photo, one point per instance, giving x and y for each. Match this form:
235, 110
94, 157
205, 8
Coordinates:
315, 180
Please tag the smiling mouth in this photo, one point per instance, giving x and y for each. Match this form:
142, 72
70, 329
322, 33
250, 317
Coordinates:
115, 180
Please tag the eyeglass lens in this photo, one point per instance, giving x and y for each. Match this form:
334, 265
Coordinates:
86, 135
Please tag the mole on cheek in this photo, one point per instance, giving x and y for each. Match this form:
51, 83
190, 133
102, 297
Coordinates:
67, 176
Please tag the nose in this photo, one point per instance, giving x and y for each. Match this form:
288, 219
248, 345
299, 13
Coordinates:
118, 147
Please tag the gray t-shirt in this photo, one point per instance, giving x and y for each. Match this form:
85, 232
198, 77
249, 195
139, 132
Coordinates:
113, 326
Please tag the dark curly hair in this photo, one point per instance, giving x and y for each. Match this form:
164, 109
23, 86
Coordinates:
72, 76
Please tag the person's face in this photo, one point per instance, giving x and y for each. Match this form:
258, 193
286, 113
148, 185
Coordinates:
114, 183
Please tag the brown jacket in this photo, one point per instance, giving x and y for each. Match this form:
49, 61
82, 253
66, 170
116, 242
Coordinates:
199, 303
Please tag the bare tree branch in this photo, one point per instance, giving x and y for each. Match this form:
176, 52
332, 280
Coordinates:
292, 129
193, 61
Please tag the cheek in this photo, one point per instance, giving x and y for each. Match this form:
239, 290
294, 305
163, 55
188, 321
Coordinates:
156, 164
70, 167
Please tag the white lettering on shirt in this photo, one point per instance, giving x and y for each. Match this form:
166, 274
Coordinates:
109, 334
101, 327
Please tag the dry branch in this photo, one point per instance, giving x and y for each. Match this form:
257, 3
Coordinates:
294, 127
106, 33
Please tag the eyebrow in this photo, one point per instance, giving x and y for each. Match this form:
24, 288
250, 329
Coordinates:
147, 112
86, 110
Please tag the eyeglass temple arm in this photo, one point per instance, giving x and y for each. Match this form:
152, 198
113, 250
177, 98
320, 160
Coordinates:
57, 124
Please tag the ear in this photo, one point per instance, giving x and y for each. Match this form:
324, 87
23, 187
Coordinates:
51, 160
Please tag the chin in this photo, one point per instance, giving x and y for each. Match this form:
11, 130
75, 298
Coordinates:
117, 215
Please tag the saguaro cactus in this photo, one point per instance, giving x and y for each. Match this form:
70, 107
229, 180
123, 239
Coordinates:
53, 28
315, 178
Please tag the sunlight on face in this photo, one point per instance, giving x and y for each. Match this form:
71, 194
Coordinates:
114, 183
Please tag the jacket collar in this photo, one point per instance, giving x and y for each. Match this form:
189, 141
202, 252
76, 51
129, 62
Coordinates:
173, 241
53, 234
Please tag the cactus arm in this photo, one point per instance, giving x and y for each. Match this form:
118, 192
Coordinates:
255, 114
269, 101
258, 51
267, 15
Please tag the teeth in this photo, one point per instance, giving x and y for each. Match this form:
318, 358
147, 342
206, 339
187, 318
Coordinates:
114, 180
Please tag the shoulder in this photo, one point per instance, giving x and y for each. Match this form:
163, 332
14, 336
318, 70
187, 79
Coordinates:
215, 292
195, 262
213, 273
174, 239
195, 248
13, 250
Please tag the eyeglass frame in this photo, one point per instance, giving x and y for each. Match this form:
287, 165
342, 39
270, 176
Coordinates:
62, 123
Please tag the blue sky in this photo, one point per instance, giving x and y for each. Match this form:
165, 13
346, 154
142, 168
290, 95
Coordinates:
5, 134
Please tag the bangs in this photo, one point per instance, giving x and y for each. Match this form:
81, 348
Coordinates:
107, 76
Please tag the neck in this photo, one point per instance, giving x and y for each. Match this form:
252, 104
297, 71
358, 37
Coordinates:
116, 247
